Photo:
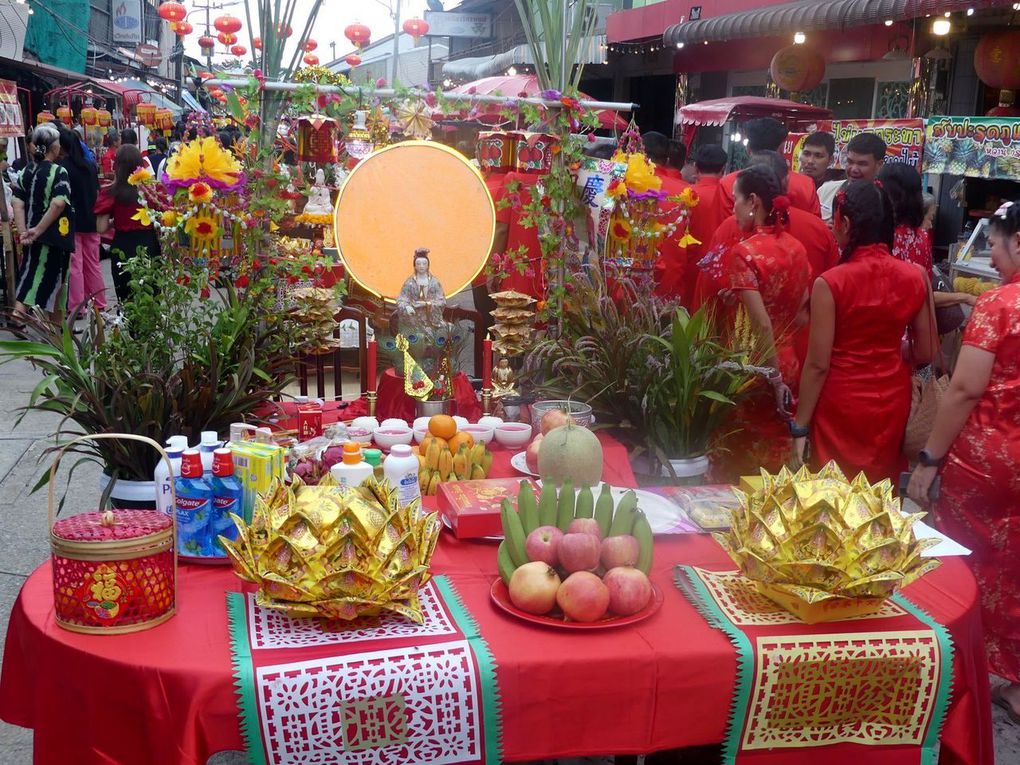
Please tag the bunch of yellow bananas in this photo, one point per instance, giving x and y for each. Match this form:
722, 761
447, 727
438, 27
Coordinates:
438, 464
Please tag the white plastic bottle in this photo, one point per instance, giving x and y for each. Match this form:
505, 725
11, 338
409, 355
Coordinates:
353, 469
401, 470
162, 475
210, 442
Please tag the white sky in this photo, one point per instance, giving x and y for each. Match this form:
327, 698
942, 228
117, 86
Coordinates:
334, 16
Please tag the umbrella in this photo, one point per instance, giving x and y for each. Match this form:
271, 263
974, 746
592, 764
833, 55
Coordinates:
522, 86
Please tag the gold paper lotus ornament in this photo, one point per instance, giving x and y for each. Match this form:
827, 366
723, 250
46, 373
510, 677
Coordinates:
338, 553
823, 547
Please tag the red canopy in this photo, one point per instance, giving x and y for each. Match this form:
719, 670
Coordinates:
522, 86
720, 110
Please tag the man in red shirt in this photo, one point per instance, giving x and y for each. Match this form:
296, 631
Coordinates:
672, 265
768, 134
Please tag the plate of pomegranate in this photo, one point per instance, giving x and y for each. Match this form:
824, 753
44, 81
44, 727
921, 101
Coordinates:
581, 601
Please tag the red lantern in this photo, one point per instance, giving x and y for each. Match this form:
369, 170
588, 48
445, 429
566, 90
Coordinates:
310, 45
172, 11
358, 34
353, 60
311, 59
238, 50
104, 117
797, 68
89, 116
206, 43
257, 43
417, 28
284, 31
64, 114
997, 59
227, 38
317, 140
146, 113
184, 28
227, 24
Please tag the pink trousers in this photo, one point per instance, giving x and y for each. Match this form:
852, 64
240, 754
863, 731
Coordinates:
86, 278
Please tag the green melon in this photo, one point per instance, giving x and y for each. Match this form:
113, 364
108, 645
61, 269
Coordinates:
573, 453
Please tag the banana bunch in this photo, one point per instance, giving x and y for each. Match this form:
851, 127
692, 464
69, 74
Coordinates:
439, 464
559, 510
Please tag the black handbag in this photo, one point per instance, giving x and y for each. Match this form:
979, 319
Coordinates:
948, 318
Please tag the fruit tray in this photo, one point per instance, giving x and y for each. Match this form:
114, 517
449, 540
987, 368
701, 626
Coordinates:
501, 599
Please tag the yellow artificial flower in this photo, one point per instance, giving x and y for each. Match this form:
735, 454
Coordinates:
169, 218
142, 174
689, 198
641, 175
202, 226
143, 216
199, 192
273, 227
204, 159
64, 226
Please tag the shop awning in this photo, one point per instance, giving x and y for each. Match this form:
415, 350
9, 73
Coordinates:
493, 66
718, 111
811, 15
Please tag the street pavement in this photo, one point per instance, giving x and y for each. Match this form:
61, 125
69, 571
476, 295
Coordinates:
23, 538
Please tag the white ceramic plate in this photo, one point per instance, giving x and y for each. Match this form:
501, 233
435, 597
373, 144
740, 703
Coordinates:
519, 462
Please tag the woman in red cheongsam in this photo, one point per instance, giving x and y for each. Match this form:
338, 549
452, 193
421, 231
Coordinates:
767, 276
911, 243
976, 441
855, 387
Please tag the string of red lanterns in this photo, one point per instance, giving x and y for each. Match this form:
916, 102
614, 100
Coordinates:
416, 27
311, 59
227, 24
358, 34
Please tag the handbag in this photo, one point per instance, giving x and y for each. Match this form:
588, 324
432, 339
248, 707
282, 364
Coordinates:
925, 394
948, 318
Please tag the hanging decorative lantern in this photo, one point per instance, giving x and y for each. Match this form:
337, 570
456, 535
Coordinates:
310, 45
997, 63
104, 117
353, 60
206, 43
227, 24
164, 119
64, 114
417, 28
89, 116
44, 116
238, 50
311, 59
172, 11
284, 31
257, 43
317, 139
797, 68
146, 113
184, 28
358, 34
227, 38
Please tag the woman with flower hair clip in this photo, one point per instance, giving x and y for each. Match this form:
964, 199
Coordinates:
975, 443
855, 387
763, 285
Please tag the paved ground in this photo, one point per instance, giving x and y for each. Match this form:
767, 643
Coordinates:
23, 544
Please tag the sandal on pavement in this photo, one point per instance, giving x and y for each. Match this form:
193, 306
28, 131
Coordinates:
1000, 701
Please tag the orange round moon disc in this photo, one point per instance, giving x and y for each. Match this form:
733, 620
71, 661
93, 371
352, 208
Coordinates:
410, 195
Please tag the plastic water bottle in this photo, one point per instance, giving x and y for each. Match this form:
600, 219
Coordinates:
401, 470
194, 507
227, 492
210, 442
163, 477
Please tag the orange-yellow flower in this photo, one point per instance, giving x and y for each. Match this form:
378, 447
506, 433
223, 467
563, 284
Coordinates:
199, 193
169, 218
202, 226
142, 174
143, 216
689, 198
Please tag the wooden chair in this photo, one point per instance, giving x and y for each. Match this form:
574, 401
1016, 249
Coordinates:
454, 315
316, 365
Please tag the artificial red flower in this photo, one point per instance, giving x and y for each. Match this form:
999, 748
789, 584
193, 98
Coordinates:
204, 293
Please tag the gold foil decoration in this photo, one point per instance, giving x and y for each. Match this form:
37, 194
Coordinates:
334, 552
815, 539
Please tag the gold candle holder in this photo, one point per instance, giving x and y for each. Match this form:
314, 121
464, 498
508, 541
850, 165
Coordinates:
486, 400
371, 396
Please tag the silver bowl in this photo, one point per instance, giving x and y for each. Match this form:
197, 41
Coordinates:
579, 411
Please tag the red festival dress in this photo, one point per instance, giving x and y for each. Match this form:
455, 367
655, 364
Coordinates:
775, 265
913, 245
865, 402
979, 503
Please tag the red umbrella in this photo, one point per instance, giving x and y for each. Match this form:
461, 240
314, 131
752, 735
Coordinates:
522, 86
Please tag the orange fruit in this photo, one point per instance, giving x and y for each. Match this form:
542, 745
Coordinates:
461, 438
443, 426
424, 446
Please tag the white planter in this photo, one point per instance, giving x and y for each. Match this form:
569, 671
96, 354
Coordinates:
131, 495
689, 471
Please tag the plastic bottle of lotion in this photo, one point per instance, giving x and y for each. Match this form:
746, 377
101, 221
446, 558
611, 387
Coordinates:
162, 474
401, 470
374, 458
353, 469
194, 507
227, 492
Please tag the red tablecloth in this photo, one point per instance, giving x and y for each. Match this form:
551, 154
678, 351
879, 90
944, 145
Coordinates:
166, 696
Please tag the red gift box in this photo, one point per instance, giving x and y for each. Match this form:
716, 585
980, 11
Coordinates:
471, 508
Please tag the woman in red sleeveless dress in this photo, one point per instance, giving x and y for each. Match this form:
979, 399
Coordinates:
767, 277
855, 387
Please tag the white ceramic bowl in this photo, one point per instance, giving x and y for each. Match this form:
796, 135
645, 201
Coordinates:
461, 421
361, 435
420, 433
490, 422
421, 423
394, 422
480, 433
388, 437
365, 423
513, 435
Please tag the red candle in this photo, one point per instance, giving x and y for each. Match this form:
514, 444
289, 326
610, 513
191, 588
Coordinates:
486, 363
372, 351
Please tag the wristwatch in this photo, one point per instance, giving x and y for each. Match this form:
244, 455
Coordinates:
927, 460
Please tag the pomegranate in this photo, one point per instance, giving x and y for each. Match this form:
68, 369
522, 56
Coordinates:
543, 544
531, 454
554, 418
617, 551
583, 597
578, 552
629, 590
585, 526
533, 587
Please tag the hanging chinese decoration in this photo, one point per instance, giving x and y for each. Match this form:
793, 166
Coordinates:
227, 24
284, 30
64, 114
89, 117
238, 50
997, 63
358, 34
311, 59
309, 45
105, 117
797, 68
317, 139
417, 28
184, 28
164, 119
206, 43
256, 43
172, 12
353, 60
146, 113
227, 38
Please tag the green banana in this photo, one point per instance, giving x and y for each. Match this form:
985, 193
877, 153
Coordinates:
514, 533
623, 518
643, 533
527, 507
565, 509
547, 505
585, 507
505, 563
604, 510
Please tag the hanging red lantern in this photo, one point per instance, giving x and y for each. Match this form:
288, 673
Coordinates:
172, 11
184, 28
797, 68
284, 31
238, 50
206, 43
353, 60
310, 45
146, 113
89, 116
257, 43
997, 59
311, 59
358, 34
417, 28
317, 140
44, 116
227, 24
227, 38
64, 114
104, 117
